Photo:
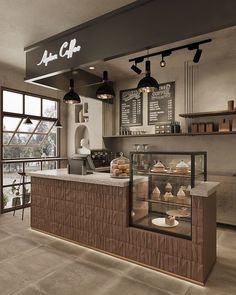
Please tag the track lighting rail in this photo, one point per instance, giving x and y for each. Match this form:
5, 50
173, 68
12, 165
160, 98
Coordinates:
190, 46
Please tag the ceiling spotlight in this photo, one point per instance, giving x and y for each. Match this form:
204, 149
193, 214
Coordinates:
148, 84
198, 53
136, 69
105, 91
28, 121
71, 97
197, 56
162, 62
58, 124
92, 68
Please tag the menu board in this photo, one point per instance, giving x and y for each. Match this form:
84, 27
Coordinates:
161, 104
131, 108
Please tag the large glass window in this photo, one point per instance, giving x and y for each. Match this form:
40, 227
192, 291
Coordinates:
12, 102
32, 105
49, 108
36, 140
22, 142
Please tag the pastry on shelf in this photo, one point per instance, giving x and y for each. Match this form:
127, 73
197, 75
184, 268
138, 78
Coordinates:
168, 187
158, 167
156, 194
182, 168
119, 167
184, 211
168, 197
170, 220
181, 197
187, 191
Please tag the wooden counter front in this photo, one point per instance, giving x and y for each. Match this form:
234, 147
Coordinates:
96, 216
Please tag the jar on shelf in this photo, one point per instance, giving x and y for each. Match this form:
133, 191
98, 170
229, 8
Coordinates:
120, 167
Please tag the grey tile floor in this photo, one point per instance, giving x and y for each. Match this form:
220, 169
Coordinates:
36, 264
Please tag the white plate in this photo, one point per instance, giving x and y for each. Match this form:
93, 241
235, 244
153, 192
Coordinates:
119, 177
161, 222
177, 213
163, 171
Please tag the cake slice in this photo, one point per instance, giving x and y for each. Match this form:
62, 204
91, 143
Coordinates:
170, 220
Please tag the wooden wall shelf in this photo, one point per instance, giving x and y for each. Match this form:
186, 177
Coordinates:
145, 135
208, 114
172, 134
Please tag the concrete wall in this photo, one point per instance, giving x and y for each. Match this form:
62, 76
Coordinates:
214, 84
94, 125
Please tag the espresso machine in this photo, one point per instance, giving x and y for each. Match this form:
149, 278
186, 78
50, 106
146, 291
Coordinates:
102, 159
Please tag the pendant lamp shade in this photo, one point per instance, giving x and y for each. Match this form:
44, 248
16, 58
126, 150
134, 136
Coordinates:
105, 91
58, 124
148, 84
28, 121
71, 97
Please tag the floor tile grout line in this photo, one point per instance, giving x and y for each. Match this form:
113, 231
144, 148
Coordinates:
22, 254
36, 281
103, 267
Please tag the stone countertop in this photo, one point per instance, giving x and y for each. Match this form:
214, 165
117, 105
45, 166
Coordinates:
204, 188
95, 178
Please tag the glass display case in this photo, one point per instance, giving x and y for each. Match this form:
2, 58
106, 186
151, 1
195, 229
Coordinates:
160, 197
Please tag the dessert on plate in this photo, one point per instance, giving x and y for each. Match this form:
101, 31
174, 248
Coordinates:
156, 194
168, 187
170, 220
183, 211
181, 196
182, 167
158, 167
168, 196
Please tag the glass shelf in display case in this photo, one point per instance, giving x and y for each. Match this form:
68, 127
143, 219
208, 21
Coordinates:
161, 201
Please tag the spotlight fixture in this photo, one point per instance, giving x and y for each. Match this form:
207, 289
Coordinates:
58, 124
28, 121
105, 91
164, 54
136, 69
92, 68
148, 84
71, 97
162, 62
197, 56
198, 53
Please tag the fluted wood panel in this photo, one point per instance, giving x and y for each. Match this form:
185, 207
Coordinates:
97, 216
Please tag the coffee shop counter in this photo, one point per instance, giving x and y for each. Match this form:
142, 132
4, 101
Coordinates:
95, 178
93, 211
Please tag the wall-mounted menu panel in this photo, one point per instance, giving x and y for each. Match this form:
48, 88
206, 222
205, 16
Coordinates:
161, 104
131, 108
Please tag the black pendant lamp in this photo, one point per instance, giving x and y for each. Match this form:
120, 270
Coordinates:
71, 97
105, 91
28, 121
58, 124
148, 84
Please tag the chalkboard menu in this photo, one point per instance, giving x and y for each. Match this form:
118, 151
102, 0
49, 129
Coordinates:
131, 108
161, 104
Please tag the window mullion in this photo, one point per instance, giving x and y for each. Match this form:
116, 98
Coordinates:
10, 139
19, 125
36, 126
31, 134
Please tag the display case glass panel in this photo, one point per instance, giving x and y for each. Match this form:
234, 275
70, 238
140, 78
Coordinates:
160, 200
